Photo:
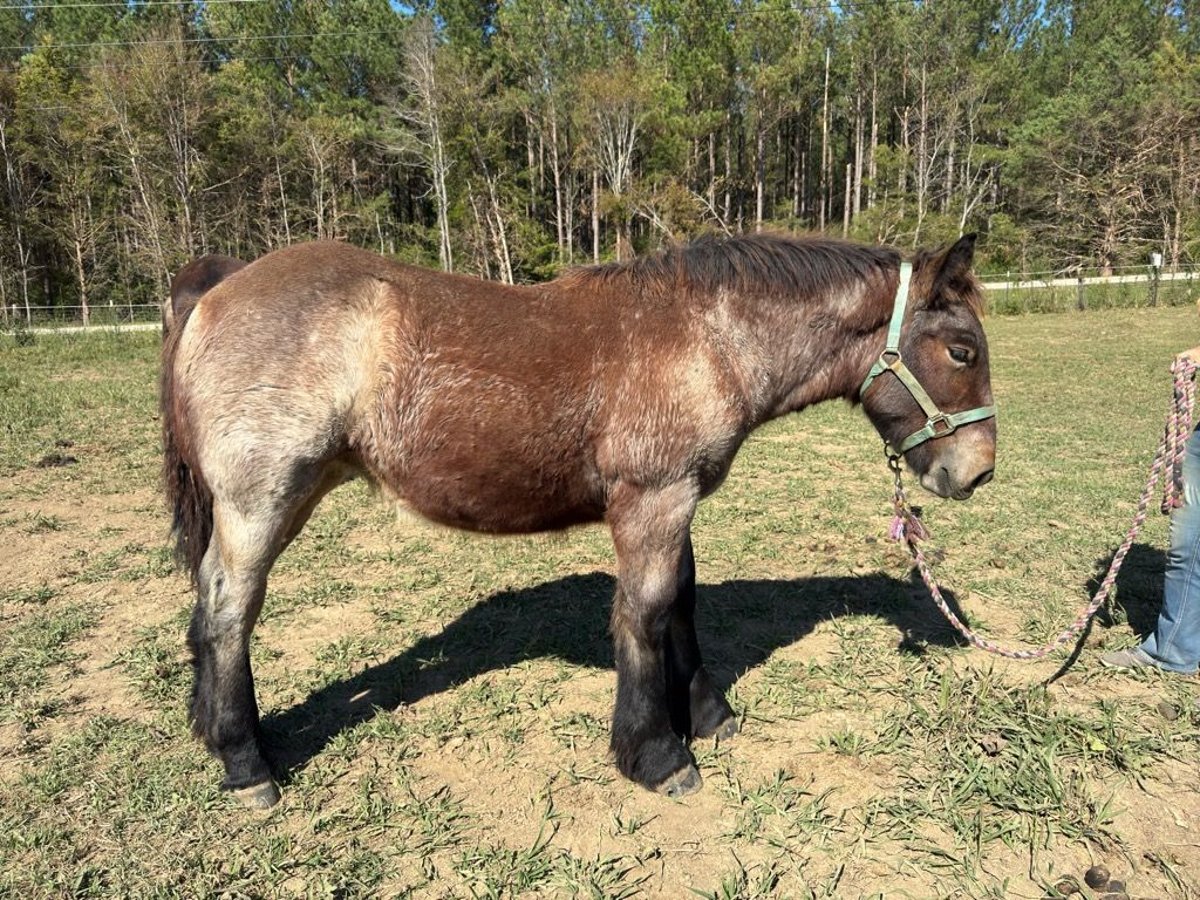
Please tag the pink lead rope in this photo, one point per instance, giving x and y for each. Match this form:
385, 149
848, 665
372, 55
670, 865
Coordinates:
907, 526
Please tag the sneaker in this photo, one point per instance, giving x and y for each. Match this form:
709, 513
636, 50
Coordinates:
1129, 658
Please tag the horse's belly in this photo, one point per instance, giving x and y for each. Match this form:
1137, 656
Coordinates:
498, 499
482, 451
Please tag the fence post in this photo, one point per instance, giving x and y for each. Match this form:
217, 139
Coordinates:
1080, 299
1155, 269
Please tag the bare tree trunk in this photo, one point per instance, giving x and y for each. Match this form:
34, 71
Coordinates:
825, 161
949, 195
81, 273
531, 161
283, 204
421, 77
760, 166
858, 153
500, 232
905, 139
482, 257
712, 170
1176, 242
442, 197
846, 205
17, 204
556, 167
871, 163
797, 166
569, 207
316, 156
153, 225
727, 199
922, 159
595, 215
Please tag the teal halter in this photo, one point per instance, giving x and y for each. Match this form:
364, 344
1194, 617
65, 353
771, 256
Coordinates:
938, 424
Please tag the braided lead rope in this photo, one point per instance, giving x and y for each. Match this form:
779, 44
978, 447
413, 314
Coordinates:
907, 526
1181, 413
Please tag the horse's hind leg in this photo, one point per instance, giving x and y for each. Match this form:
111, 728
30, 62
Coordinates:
698, 708
650, 534
232, 584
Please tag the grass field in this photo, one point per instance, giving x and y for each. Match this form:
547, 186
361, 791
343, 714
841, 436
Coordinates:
440, 702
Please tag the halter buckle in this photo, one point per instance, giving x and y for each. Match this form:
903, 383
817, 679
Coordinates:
940, 425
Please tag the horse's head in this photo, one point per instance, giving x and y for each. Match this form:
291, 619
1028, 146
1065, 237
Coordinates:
949, 436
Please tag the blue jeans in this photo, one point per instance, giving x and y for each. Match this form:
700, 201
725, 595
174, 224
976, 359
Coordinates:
1175, 643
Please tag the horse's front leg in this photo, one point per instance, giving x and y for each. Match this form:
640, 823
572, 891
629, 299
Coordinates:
650, 532
698, 708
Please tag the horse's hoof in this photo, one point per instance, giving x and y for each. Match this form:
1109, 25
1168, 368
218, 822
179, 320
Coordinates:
258, 796
726, 729
686, 781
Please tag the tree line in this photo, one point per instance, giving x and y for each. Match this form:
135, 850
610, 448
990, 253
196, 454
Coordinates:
511, 138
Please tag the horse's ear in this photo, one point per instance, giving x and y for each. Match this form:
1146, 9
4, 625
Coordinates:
955, 266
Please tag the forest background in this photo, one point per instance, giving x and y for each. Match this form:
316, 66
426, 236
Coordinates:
511, 139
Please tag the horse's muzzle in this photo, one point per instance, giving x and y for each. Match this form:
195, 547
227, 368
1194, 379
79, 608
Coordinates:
939, 481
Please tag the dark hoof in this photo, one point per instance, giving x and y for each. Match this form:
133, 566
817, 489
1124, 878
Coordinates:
685, 781
722, 729
258, 796
712, 716
726, 729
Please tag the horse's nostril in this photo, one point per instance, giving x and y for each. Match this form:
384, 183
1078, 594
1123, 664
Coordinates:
982, 479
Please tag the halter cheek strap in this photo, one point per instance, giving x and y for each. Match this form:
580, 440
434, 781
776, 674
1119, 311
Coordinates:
938, 424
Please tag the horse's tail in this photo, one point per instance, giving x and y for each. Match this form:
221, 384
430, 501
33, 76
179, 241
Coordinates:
188, 496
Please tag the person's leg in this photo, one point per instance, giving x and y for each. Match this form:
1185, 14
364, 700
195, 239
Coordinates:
1175, 642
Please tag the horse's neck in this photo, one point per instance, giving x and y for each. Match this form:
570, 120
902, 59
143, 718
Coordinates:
808, 352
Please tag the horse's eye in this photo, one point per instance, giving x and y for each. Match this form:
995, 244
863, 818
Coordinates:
960, 354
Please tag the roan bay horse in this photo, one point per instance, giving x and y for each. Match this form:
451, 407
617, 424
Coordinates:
616, 393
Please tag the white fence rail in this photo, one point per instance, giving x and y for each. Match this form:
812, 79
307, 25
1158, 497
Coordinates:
1142, 278
1134, 286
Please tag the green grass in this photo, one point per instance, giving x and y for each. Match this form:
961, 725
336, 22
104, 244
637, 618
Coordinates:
445, 698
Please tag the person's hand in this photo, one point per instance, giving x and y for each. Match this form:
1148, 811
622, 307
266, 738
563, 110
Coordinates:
1192, 356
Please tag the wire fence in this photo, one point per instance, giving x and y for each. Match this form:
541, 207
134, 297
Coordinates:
72, 316
1130, 287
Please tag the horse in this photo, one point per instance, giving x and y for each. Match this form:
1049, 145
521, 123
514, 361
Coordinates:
193, 281
616, 393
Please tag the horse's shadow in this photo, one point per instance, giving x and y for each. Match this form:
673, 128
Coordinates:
740, 624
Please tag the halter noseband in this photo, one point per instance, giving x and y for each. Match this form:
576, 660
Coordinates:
938, 424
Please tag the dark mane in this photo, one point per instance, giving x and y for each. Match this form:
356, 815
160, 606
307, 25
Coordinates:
758, 263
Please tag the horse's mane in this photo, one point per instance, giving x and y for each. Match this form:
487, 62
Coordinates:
756, 263
764, 263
